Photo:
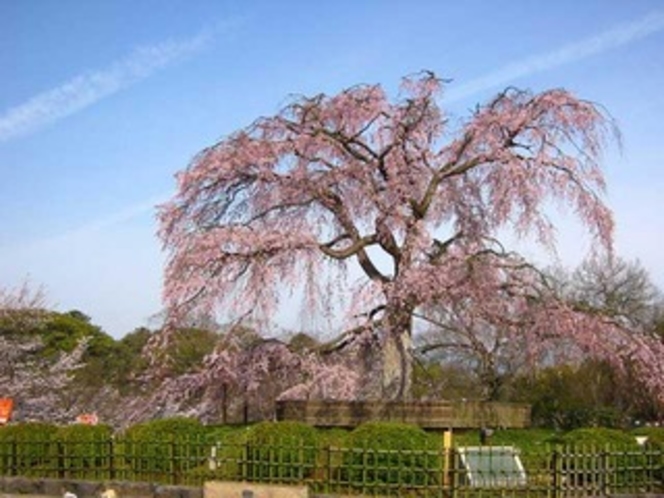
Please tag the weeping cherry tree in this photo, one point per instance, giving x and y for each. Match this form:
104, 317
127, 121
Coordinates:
416, 205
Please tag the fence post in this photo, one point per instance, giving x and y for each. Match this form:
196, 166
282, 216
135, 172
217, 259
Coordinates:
173, 461
302, 461
328, 470
244, 462
604, 471
447, 448
556, 469
111, 457
14, 458
454, 469
60, 449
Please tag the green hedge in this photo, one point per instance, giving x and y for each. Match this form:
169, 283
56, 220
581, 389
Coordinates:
167, 429
282, 451
598, 437
27, 449
164, 447
601, 457
655, 436
227, 451
655, 442
375, 458
83, 451
382, 458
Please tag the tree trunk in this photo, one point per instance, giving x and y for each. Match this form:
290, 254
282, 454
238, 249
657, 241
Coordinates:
397, 366
387, 363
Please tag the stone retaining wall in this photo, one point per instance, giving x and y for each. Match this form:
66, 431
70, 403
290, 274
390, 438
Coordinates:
437, 415
93, 489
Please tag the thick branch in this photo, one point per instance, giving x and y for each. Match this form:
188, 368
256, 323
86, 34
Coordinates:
352, 250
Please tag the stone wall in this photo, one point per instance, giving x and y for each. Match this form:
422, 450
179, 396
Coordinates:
93, 489
426, 414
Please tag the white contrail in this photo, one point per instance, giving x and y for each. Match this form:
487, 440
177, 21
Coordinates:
86, 89
573, 52
613, 38
124, 215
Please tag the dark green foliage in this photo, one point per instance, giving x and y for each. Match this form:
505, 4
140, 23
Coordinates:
228, 445
113, 363
374, 459
80, 433
334, 437
188, 347
166, 429
63, 332
600, 457
655, 435
128, 358
27, 449
285, 451
165, 447
597, 437
655, 442
267, 432
84, 450
387, 436
524, 439
119, 363
383, 457
435, 379
567, 397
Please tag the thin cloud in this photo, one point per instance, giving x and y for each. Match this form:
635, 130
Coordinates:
87, 89
574, 52
120, 217
613, 38
94, 226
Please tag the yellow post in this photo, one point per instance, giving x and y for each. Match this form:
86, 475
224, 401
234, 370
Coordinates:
447, 450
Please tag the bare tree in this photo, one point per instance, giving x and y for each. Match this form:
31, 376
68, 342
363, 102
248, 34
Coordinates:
618, 288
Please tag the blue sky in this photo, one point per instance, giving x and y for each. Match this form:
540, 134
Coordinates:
101, 102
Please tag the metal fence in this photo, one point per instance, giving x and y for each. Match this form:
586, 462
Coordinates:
455, 472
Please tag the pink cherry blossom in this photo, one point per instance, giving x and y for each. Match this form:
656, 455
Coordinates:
388, 186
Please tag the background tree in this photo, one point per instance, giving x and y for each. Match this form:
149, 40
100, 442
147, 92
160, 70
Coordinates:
623, 292
21, 308
38, 362
416, 204
617, 288
489, 353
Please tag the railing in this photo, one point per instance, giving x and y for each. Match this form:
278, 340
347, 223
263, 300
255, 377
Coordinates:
426, 414
549, 472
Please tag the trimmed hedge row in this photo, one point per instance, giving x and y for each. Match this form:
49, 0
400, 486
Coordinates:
270, 451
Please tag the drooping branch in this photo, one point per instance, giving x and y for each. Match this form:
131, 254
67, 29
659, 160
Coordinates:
358, 178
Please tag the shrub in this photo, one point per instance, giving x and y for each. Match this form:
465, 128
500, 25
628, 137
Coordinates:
27, 449
84, 451
167, 429
334, 437
527, 440
655, 445
655, 436
389, 457
281, 451
227, 453
166, 447
599, 458
598, 437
